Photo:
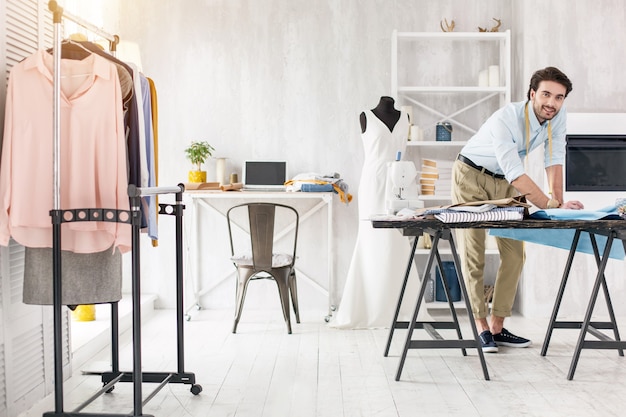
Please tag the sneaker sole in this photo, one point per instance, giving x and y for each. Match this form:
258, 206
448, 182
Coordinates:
515, 345
490, 349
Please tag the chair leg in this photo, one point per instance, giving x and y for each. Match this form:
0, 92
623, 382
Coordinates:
282, 280
293, 289
242, 287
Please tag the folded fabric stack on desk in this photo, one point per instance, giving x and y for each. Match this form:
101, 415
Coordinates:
487, 210
462, 214
313, 182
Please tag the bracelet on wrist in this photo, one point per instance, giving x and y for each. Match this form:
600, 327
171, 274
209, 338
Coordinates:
552, 203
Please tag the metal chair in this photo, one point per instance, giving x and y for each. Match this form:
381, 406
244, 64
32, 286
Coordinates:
255, 258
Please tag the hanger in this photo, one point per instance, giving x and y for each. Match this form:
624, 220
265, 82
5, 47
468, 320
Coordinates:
73, 50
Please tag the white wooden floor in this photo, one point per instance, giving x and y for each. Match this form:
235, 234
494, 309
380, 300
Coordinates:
318, 371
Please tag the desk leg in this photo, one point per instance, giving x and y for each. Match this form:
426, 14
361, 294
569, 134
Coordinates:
607, 296
395, 323
559, 296
468, 307
446, 288
594, 295
431, 327
420, 297
332, 304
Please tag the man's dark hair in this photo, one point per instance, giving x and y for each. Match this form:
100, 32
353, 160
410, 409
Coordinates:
549, 74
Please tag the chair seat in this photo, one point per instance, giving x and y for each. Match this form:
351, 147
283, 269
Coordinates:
279, 260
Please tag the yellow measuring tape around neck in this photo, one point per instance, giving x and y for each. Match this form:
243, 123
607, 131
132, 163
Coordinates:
527, 120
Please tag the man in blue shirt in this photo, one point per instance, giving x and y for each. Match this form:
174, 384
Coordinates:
491, 166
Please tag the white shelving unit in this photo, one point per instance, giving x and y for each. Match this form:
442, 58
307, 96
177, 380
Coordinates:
424, 64
437, 73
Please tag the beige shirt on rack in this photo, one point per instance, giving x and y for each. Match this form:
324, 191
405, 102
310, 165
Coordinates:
93, 163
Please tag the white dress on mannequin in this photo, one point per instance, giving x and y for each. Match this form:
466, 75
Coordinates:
380, 256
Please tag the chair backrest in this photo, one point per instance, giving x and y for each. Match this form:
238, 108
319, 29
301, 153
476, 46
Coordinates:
262, 222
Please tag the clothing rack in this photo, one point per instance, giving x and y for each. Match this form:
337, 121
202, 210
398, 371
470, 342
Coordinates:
132, 217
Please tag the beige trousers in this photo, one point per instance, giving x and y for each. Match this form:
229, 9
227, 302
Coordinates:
469, 184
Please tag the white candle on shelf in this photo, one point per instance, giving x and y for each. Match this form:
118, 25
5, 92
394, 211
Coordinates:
494, 76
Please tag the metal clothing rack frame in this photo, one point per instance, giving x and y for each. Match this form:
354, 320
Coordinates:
132, 217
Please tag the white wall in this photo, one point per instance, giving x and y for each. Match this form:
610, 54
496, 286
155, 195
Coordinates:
578, 37
288, 79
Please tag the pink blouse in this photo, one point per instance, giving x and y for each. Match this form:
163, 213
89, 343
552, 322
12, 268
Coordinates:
93, 163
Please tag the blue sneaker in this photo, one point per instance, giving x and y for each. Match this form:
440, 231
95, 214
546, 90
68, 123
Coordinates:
506, 338
487, 342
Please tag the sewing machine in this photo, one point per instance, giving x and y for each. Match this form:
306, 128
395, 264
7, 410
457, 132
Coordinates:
401, 189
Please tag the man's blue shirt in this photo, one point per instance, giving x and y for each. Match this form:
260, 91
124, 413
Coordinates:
500, 143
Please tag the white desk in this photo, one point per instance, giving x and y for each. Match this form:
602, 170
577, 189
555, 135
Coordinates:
206, 268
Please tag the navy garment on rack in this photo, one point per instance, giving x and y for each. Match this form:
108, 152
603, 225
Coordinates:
131, 123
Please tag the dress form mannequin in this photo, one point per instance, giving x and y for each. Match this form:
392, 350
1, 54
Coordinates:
385, 111
378, 263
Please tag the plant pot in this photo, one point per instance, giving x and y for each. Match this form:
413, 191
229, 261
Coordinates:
197, 176
84, 312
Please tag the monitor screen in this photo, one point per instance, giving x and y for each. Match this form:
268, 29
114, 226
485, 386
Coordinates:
595, 163
265, 173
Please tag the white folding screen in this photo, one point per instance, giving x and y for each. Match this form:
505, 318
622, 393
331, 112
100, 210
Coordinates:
26, 338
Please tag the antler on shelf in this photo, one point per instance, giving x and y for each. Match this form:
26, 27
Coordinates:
449, 26
493, 29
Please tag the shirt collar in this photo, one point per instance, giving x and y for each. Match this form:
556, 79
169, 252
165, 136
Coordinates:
101, 67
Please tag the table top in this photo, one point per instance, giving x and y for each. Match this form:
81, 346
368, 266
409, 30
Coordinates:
413, 227
257, 194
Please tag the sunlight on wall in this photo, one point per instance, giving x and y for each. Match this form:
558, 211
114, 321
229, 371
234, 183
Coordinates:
89, 10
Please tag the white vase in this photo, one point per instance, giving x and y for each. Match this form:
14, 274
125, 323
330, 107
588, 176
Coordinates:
220, 170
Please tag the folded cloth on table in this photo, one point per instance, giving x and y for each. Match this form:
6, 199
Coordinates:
495, 214
316, 188
338, 185
562, 238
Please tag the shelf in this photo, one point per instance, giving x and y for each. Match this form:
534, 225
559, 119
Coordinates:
436, 143
449, 252
443, 305
419, 91
451, 36
450, 89
433, 197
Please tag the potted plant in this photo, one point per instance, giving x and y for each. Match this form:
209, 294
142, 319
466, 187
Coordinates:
197, 153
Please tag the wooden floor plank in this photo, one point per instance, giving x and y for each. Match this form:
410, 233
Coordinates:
319, 371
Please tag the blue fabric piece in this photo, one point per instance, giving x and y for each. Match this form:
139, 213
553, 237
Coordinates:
608, 213
316, 188
562, 238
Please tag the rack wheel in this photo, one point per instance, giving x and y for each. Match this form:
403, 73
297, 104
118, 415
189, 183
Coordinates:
196, 389
327, 319
187, 317
198, 307
110, 390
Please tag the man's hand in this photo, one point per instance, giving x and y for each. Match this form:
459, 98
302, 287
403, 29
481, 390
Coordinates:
573, 205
